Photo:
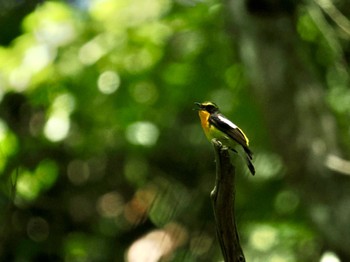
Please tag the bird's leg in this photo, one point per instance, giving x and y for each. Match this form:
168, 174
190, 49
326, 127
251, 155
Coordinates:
218, 142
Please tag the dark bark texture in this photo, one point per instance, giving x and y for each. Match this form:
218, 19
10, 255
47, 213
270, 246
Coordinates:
223, 200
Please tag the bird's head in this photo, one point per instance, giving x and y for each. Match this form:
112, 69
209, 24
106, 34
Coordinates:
209, 107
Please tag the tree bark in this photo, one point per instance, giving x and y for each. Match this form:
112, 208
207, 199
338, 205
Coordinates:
223, 200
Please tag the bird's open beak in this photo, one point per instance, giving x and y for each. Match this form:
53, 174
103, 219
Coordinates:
198, 106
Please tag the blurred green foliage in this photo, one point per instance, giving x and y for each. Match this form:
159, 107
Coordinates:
101, 155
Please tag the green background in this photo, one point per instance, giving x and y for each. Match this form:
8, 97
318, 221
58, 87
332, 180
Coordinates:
103, 159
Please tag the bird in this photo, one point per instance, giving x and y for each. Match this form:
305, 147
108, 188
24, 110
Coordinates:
216, 126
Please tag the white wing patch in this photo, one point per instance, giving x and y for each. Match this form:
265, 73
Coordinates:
228, 122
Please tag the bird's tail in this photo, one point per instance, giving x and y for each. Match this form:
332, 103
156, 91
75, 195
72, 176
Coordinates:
250, 164
248, 152
248, 157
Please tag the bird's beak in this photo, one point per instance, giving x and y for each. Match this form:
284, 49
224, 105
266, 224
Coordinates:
198, 106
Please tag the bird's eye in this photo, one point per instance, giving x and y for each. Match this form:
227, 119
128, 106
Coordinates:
210, 108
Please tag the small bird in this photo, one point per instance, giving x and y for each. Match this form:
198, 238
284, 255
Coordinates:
217, 126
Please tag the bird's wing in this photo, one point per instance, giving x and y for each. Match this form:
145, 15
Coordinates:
233, 131
229, 128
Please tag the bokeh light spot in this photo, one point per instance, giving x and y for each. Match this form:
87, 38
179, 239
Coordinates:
157, 244
110, 204
37, 57
151, 247
108, 82
286, 202
136, 209
329, 256
78, 172
31, 184
139, 61
19, 78
38, 229
26, 186
142, 133
264, 237
57, 127
144, 93
91, 52
269, 165
64, 103
79, 246
57, 33
320, 213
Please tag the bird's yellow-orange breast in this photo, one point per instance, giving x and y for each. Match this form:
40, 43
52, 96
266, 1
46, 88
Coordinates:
204, 116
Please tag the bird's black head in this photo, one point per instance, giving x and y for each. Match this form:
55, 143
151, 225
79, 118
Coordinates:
210, 107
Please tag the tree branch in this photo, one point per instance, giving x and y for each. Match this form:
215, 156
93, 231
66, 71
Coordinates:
223, 197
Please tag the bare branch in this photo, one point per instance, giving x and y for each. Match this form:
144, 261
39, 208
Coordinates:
223, 200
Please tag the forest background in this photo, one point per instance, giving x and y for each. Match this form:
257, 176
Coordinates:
103, 159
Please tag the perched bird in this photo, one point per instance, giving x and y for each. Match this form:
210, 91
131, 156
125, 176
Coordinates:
217, 126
